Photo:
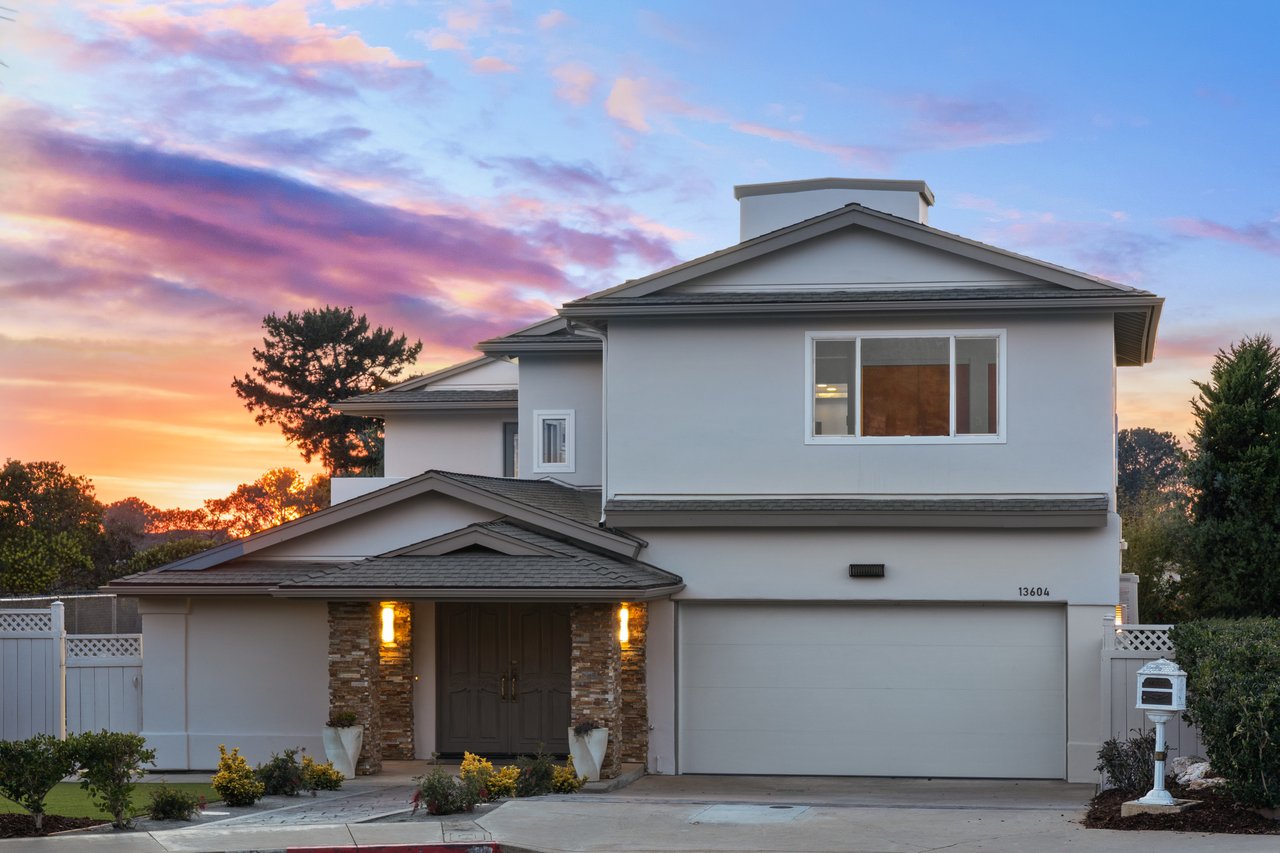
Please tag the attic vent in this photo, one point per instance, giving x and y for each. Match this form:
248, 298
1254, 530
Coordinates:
475, 549
866, 570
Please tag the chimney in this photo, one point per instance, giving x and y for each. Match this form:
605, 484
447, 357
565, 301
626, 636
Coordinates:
768, 207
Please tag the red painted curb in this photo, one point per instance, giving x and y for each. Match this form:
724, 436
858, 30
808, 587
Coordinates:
478, 847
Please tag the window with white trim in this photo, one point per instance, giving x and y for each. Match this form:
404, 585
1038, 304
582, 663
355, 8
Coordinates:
554, 450
905, 387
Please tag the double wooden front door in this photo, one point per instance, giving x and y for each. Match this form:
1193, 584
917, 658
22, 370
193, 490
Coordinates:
503, 683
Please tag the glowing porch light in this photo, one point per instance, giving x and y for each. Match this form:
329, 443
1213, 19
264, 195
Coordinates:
1119, 614
624, 634
388, 624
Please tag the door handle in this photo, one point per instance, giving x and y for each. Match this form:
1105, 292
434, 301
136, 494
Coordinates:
503, 690
515, 686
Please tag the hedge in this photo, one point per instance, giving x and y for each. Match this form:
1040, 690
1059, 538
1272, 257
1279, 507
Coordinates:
1233, 696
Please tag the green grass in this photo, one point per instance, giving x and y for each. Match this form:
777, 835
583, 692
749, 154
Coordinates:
69, 800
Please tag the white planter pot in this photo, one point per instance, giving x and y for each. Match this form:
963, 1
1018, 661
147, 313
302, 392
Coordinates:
342, 747
588, 752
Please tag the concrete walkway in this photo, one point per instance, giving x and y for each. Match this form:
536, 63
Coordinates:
682, 813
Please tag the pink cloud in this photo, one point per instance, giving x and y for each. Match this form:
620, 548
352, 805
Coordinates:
867, 156
551, 20
945, 123
280, 35
1262, 236
492, 65
577, 82
442, 40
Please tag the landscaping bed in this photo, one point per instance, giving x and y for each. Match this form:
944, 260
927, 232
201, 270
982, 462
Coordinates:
24, 825
1216, 813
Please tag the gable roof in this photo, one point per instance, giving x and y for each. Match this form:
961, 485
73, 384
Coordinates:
547, 568
1137, 311
545, 504
554, 335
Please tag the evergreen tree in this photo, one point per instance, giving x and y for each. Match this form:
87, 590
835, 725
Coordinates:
1234, 472
315, 358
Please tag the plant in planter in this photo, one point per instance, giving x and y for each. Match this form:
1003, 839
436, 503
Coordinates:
587, 743
342, 741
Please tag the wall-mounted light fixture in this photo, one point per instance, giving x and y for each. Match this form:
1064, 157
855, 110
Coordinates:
388, 624
624, 632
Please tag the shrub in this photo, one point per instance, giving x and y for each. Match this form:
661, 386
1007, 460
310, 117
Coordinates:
1233, 696
440, 794
565, 779
173, 804
1129, 765
235, 781
537, 774
320, 777
110, 762
282, 775
502, 782
342, 719
30, 768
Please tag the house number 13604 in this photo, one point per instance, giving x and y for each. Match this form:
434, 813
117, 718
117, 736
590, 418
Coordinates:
1033, 591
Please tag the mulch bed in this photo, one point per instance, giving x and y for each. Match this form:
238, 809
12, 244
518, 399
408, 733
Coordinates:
24, 825
1217, 813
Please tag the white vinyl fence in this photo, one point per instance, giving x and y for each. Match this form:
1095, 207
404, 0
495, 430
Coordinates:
55, 683
1125, 650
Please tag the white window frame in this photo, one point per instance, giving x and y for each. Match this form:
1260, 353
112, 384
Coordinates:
951, 335
539, 417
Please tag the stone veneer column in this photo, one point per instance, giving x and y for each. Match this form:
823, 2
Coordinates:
635, 692
395, 688
354, 676
595, 683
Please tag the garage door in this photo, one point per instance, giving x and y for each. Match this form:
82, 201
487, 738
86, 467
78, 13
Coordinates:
869, 690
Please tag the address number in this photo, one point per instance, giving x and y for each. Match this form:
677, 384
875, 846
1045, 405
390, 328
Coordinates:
1033, 591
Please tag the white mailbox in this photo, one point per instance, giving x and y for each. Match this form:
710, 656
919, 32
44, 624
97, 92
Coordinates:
1162, 693
1162, 686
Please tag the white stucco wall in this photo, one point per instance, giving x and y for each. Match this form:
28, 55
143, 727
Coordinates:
406, 523
246, 673
469, 442
498, 373
718, 408
558, 382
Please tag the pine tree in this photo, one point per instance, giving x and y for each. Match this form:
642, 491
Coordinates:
1235, 473
315, 358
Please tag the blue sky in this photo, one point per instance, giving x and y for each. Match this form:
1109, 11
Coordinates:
175, 171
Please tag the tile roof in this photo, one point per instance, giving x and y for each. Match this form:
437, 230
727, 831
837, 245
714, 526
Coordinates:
245, 572
581, 505
568, 567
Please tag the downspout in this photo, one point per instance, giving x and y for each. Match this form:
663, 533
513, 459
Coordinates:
579, 328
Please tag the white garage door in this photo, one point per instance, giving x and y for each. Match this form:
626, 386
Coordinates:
872, 690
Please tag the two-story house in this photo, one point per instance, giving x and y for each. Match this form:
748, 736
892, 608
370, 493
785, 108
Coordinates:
838, 499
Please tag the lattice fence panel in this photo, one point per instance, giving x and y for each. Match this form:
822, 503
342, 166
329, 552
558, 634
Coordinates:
1145, 638
25, 622
104, 646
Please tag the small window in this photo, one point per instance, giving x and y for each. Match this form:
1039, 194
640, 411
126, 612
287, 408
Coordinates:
905, 387
511, 449
555, 441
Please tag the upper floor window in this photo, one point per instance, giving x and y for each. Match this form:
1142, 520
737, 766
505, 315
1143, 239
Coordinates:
510, 449
554, 450
905, 387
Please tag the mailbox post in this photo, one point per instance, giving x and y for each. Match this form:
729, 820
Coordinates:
1162, 693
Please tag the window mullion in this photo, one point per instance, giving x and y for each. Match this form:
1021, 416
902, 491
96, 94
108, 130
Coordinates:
857, 383
951, 340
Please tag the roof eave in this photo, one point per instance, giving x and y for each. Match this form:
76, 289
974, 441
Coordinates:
372, 409
472, 594
921, 518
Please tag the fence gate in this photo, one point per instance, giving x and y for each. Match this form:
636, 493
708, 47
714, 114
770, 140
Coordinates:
1125, 650
55, 683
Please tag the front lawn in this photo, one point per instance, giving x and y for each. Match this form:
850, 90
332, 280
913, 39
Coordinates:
69, 800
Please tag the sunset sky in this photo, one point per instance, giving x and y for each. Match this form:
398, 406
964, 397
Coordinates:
171, 172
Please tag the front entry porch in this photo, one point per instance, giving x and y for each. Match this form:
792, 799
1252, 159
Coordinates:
497, 678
